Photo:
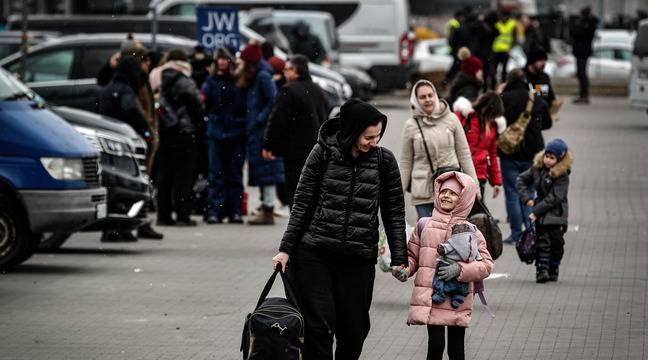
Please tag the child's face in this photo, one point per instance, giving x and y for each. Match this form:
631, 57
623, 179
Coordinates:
550, 160
448, 200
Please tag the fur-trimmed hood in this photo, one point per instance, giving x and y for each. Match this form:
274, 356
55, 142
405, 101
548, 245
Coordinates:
561, 168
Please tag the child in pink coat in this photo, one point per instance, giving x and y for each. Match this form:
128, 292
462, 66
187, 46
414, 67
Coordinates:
454, 197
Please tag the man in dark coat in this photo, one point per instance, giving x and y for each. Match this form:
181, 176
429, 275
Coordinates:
298, 113
582, 31
332, 234
537, 78
515, 98
305, 43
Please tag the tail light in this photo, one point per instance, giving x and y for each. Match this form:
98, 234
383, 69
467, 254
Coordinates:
564, 61
407, 44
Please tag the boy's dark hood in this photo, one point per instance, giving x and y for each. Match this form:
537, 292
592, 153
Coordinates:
343, 131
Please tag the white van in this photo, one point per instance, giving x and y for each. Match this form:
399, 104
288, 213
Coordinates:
374, 35
639, 73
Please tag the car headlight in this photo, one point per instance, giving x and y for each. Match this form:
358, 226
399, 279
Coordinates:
114, 147
63, 169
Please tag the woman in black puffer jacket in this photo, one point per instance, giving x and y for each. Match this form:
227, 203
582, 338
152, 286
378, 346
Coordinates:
332, 234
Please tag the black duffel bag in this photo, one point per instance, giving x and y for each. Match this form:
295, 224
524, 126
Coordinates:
485, 222
275, 329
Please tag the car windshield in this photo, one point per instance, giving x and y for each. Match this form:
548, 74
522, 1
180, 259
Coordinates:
12, 89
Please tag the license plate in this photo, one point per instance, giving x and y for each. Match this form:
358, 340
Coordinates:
101, 211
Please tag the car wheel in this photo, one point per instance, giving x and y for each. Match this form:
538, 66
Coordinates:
17, 243
53, 241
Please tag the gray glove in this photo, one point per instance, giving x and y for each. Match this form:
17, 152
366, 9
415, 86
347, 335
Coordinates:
449, 272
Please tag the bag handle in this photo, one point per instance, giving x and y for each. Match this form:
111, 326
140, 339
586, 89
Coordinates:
427, 153
290, 294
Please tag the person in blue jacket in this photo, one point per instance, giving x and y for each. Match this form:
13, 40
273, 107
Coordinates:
225, 106
261, 92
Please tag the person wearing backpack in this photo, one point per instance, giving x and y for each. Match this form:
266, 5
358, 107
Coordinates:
178, 153
455, 194
332, 235
517, 157
433, 142
481, 124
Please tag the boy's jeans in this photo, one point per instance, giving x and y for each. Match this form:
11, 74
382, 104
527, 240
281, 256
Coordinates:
516, 211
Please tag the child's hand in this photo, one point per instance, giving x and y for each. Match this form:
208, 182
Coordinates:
533, 217
530, 203
400, 272
449, 272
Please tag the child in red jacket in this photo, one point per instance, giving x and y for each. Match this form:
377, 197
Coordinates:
480, 122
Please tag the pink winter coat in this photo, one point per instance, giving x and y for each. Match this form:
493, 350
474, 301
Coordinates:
423, 258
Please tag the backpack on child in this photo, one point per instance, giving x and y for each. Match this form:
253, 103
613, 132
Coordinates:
275, 329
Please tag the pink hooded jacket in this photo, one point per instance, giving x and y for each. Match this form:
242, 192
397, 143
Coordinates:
423, 258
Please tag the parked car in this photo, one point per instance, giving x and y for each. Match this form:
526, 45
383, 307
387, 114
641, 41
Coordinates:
433, 56
123, 171
639, 73
77, 57
11, 41
611, 57
49, 174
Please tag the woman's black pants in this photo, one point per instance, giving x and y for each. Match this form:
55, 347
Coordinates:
335, 296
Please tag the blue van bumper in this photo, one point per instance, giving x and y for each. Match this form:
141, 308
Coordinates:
63, 210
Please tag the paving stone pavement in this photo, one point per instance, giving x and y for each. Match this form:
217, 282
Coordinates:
185, 297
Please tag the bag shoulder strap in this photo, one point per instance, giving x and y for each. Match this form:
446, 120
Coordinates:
427, 153
478, 288
290, 294
421, 225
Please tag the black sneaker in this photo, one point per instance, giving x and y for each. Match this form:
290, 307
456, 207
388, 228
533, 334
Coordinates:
147, 232
509, 241
117, 236
236, 219
581, 100
187, 223
213, 219
542, 276
553, 274
165, 222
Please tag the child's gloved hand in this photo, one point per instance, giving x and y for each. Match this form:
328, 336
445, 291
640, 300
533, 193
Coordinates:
449, 272
400, 272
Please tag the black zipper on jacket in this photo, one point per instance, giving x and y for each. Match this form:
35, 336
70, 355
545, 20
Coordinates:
349, 203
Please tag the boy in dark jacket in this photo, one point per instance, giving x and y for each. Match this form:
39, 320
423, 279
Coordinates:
549, 175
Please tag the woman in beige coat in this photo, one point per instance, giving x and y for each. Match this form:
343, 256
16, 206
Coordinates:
443, 148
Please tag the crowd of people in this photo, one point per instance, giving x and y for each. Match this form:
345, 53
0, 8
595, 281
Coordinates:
205, 116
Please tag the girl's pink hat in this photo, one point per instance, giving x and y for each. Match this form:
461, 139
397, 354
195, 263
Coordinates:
453, 184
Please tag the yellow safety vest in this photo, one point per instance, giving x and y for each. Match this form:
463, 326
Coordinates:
504, 41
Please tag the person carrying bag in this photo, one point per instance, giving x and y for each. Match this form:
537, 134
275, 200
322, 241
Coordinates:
275, 329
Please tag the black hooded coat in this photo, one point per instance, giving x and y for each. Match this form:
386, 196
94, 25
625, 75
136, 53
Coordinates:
119, 98
337, 200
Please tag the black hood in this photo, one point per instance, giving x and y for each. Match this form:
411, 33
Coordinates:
355, 117
128, 72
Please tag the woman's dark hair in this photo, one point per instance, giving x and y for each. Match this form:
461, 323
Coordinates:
300, 63
514, 79
221, 53
489, 106
177, 55
246, 76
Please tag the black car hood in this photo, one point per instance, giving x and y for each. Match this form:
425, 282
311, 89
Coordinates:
94, 121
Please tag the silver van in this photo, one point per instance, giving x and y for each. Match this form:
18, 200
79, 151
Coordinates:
639, 73
374, 35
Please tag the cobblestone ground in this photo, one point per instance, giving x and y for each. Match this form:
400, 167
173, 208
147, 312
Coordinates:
185, 297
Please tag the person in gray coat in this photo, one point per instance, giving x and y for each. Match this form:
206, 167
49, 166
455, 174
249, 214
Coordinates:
549, 176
